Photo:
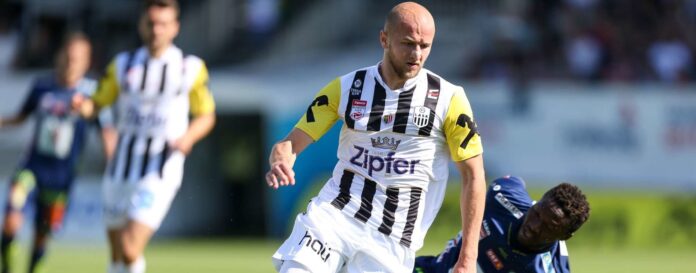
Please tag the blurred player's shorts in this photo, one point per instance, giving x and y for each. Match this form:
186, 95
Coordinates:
146, 201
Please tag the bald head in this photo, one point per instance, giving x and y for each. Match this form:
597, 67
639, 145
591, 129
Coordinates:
407, 38
411, 14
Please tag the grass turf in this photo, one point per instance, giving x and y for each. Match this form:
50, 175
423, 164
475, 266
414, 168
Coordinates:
253, 255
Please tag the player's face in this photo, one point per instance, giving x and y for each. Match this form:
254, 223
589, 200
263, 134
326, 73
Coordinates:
407, 46
543, 224
158, 27
74, 61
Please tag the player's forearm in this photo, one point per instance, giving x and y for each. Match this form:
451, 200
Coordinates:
287, 149
12, 121
472, 202
200, 127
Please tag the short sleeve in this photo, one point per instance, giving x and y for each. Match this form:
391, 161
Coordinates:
32, 100
322, 113
108, 88
460, 129
200, 98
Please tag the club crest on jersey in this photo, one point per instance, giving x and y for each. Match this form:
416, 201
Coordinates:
388, 118
355, 90
386, 143
421, 116
358, 110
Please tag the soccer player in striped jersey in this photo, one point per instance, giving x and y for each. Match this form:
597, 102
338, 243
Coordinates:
401, 124
156, 87
46, 174
518, 235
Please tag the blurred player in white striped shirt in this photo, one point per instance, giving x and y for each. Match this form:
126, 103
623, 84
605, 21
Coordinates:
157, 87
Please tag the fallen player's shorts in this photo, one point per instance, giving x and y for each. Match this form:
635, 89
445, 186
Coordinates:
323, 239
146, 201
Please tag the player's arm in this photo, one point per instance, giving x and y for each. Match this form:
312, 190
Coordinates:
13, 120
466, 150
29, 105
106, 94
321, 115
107, 131
203, 112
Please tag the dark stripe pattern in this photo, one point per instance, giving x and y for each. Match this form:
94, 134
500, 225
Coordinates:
146, 159
344, 190
129, 158
163, 81
355, 93
375, 122
431, 97
368, 193
144, 79
390, 206
163, 159
411, 217
402, 111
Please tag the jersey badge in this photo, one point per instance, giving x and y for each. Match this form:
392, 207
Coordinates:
421, 116
494, 259
433, 93
358, 110
388, 118
485, 230
356, 90
509, 205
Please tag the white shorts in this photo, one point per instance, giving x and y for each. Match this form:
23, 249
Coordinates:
325, 240
146, 201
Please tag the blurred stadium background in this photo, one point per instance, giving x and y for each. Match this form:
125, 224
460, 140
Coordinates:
600, 93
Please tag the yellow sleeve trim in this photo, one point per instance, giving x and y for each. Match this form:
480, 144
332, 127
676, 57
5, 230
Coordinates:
108, 89
322, 113
200, 99
460, 129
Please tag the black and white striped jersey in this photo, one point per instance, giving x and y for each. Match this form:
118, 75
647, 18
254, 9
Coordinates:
154, 99
394, 147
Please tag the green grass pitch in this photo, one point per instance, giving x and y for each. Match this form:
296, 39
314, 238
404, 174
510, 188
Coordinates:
253, 255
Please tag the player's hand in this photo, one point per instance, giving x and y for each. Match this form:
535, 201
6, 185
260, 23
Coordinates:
183, 144
461, 267
82, 105
280, 174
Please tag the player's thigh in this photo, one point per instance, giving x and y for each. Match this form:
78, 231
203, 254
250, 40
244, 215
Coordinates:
22, 190
136, 235
380, 253
115, 198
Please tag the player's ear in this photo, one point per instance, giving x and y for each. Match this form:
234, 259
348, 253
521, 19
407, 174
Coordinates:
383, 39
